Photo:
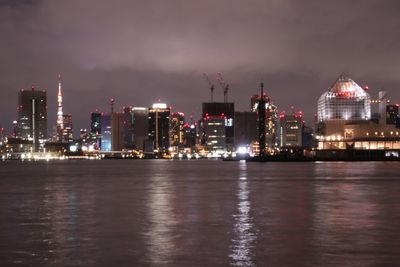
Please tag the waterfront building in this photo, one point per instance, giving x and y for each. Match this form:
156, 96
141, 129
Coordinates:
128, 127
214, 132
271, 120
217, 126
392, 114
95, 128
140, 126
190, 135
177, 133
344, 100
291, 129
159, 118
345, 122
245, 128
117, 131
106, 139
67, 130
32, 117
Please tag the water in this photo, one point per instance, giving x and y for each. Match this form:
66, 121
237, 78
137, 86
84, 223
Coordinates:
199, 213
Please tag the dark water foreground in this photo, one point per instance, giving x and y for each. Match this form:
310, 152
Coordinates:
199, 213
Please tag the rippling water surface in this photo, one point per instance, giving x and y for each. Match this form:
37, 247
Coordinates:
199, 213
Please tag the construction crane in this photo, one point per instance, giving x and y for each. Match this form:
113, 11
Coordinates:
211, 86
223, 85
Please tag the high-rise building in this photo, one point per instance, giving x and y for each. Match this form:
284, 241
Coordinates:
218, 126
271, 119
32, 116
128, 128
95, 129
159, 116
345, 100
140, 124
106, 138
190, 135
177, 133
67, 130
95, 123
245, 128
291, 130
214, 133
117, 131
392, 113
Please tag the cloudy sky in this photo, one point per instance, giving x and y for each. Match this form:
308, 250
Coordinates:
140, 51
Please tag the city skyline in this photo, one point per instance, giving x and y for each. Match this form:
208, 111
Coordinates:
154, 55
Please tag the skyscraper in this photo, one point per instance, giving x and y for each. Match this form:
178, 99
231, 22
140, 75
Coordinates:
245, 128
95, 128
291, 129
117, 131
106, 132
32, 116
271, 119
177, 133
67, 130
218, 126
140, 121
128, 128
159, 127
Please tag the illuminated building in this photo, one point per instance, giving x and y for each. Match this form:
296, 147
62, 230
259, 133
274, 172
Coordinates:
32, 117
214, 132
271, 119
95, 128
190, 135
177, 133
218, 126
67, 132
291, 130
128, 128
245, 128
159, 116
345, 100
106, 132
95, 123
117, 131
344, 121
60, 116
140, 121
392, 114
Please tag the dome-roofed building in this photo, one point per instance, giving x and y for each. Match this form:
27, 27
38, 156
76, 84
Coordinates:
345, 100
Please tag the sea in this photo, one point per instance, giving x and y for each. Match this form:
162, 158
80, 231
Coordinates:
199, 213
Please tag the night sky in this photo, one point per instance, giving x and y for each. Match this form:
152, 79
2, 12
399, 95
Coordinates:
140, 51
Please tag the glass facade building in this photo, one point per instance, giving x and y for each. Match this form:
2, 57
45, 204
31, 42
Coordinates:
345, 100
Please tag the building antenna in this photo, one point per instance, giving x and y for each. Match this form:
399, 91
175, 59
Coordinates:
60, 118
112, 100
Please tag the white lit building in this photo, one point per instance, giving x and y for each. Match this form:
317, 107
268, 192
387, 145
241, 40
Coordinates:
345, 100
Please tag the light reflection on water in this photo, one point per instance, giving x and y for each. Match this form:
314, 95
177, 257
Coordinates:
244, 232
199, 213
161, 220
